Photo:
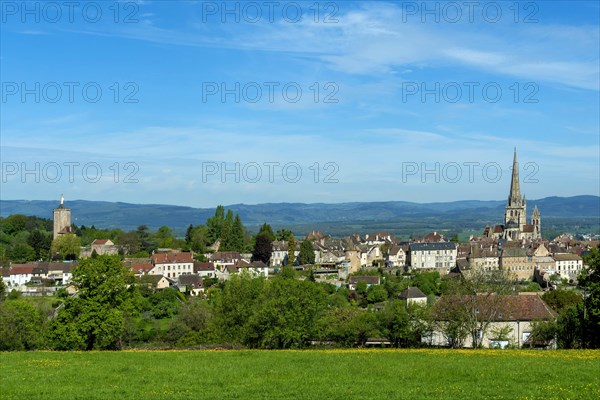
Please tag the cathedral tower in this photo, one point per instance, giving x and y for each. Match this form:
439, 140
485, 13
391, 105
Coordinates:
536, 221
515, 214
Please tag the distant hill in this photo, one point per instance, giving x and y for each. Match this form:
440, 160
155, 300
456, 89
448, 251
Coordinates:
560, 213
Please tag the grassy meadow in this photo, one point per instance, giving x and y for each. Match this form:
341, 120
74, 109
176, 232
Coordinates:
309, 374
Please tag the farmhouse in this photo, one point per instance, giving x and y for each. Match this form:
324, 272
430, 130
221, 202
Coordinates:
497, 320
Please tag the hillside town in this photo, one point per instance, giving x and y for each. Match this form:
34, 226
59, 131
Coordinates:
513, 246
362, 264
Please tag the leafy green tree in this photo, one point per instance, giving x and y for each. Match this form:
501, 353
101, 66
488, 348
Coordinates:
192, 324
458, 311
560, 300
543, 332
199, 239
129, 242
288, 272
589, 280
21, 252
21, 326
165, 303
532, 287
393, 320
362, 287
306, 255
347, 326
2, 289
164, 237
67, 246
283, 234
569, 327
14, 223
40, 242
95, 318
428, 282
286, 316
234, 306
376, 294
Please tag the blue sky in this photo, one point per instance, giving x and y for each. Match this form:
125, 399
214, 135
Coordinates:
416, 101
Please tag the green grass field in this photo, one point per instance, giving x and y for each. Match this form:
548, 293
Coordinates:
311, 374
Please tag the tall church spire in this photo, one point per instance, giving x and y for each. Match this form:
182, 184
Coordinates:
515, 191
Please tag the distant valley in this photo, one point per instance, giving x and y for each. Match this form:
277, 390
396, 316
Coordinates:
559, 214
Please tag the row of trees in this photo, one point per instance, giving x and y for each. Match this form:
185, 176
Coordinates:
112, 311
263, 245
578, 322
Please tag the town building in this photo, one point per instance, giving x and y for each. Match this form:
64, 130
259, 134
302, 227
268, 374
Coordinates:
568, 265
432, 256
172, 265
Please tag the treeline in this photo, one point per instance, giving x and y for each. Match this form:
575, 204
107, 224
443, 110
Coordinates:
114, 311
26, 238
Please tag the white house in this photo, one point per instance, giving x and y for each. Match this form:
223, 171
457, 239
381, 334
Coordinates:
413, 295
172, 265
568, 265
430, 256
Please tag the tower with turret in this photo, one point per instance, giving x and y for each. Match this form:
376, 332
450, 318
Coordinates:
515, 214
62, 219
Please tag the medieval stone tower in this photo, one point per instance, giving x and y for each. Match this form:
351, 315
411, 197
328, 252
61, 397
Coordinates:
62, 219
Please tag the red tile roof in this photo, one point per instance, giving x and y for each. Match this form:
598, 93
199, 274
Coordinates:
141, 268
521, 307
22, 269
167, 258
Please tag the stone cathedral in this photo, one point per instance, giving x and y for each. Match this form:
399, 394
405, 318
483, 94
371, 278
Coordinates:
515, 214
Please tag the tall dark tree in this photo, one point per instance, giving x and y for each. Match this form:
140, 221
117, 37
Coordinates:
306, 255
146, 242
262, 249
188, 234
291, 260
226, 233
237, 234
266, 230
215, 224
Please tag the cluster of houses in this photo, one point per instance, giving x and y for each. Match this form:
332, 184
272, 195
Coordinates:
526, 260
